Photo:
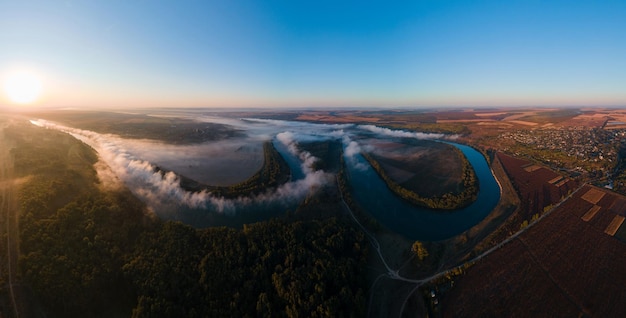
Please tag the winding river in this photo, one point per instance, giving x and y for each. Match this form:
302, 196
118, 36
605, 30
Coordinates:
373, 195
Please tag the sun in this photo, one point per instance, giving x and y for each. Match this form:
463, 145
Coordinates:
22, 87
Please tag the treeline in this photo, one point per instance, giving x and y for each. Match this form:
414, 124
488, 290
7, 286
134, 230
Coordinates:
435, 128
448, 201
89, 253
274, 172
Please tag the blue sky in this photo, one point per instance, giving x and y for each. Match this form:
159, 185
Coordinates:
137, 53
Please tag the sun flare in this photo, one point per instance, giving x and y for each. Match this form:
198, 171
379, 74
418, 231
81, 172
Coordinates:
22, 87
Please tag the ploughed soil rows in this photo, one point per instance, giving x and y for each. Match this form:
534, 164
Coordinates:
562, 266
537, 186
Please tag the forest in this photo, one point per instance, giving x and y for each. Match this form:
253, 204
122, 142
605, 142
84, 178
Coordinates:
90, 252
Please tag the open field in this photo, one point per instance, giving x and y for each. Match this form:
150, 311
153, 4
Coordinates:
537, 186
562, 266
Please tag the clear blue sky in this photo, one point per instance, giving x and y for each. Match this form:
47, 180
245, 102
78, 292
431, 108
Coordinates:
318, 53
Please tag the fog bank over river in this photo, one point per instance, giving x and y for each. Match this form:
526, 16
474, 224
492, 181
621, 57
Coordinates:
235, 159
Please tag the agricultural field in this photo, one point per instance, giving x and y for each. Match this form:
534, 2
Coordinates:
537, 186
564, 265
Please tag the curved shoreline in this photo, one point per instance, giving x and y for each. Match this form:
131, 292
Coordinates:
373, 196
445, 202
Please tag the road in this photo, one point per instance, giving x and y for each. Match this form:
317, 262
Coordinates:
394, 274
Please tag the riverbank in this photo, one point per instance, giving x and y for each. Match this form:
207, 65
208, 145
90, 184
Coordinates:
468, 186
273, 173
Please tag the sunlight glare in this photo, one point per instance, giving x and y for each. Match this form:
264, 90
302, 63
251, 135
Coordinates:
22, 87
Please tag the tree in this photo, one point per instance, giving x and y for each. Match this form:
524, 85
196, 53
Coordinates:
419, 250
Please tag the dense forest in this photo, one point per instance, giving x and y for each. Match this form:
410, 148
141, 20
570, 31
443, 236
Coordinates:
94, 253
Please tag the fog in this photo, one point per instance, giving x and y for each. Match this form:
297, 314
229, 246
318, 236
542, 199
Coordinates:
133, 162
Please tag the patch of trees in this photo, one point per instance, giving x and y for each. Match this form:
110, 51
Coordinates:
274, 172
436, 128
273, 268
95, 253
448, 201
419, 250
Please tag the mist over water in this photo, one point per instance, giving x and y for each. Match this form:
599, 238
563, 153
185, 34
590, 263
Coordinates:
133, 163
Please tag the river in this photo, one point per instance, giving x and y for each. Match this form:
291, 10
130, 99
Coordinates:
417, 223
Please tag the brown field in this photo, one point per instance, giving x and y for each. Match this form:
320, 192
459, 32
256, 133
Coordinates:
562, 266
591, 213
614, 226
533, 184
593, 196
490, 114
523, 122
593, 120
532, 168
480, 120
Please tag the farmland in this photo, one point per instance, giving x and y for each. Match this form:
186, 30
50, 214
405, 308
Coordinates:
537, 186
563, 265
